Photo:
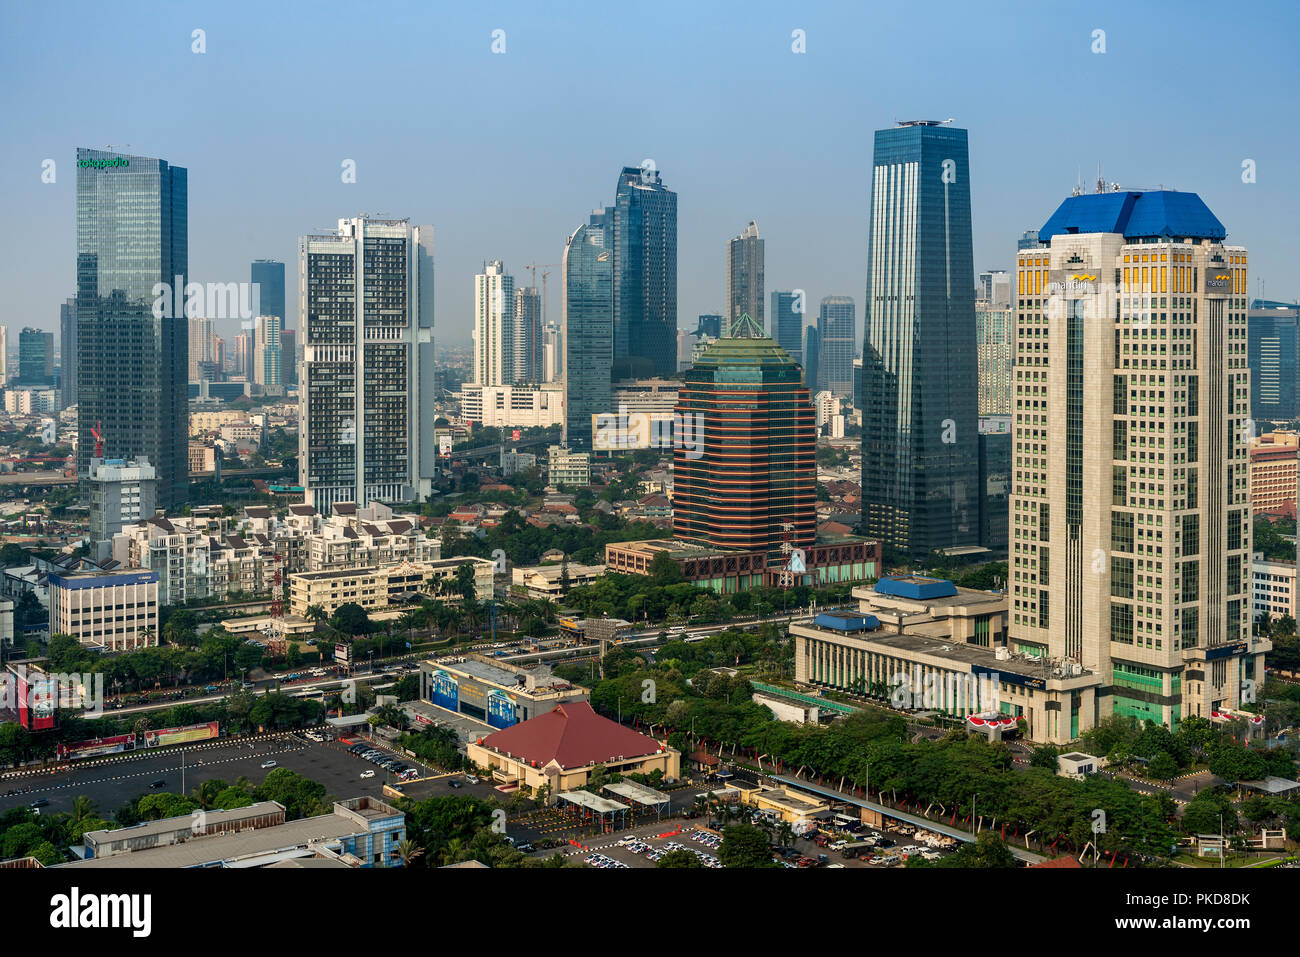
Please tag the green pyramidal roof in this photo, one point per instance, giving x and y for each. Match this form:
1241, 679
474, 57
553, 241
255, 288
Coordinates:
745, 350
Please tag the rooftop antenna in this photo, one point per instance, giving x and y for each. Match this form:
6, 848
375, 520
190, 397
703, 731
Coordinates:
1101, 182
1078, 182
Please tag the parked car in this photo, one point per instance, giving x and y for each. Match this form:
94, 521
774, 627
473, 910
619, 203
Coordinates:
160, 783
368, 773
454, 783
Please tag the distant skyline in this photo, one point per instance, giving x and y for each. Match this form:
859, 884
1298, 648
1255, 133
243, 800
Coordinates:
741, 128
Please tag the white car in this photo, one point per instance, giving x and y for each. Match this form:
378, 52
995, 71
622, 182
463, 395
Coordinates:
839, 844
367, 774
267, 764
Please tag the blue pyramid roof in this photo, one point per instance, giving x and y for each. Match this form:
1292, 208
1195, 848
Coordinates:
1162, 213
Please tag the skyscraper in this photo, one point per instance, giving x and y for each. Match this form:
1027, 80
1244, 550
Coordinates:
744, 465
1273, 349
811, 357
643, 248
994, 358
67, 354
835, 322
243, 356
994, 285
1130, 515
920, 433
745, 276
268, 354
787, 322
35, 358
554, 352
366, 305
267, 276
529, 348
200, 349
494, 326
289, 355
588, 335
132, 236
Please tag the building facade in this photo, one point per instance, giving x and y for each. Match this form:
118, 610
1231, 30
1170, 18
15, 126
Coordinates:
745, 476
1273, 337
117, 611
919, 427
494, 325
67, 354
512, 406
745, 256
133, 237
530, 350
993, 344
642, 243
366, 308
835, 323
787, 322
1130, 513
588, 335
121, 493
1273, 473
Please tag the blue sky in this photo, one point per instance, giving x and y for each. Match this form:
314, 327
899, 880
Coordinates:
505, 154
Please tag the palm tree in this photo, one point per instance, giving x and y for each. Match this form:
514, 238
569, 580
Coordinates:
317, 614
454, 852
407, 851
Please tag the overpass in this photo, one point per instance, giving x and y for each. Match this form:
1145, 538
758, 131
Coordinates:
1029, 857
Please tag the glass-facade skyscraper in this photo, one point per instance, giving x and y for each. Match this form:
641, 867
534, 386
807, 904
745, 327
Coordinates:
1273, 348
920, 461
588, 335
787, 324
835, 323
268, 278
811, 353
68, 353
35, 357
132, 234
642, 241
745, 256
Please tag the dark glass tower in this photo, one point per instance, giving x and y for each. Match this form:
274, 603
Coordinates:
35, 358
588, 330
920, 459
132, 235
268, 278
787, 325
68, 353
811, 357
745, 465
1273, 347
643, 247
835, 330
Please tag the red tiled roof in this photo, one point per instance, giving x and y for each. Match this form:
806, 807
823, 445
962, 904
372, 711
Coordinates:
1066, 861
573, 735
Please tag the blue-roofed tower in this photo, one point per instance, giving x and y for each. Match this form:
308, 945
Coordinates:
1130, 517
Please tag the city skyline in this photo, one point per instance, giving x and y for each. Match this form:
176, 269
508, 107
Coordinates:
815, 232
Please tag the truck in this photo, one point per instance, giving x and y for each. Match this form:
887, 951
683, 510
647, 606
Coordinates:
850, 851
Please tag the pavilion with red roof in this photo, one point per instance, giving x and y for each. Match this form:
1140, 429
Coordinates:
562, 746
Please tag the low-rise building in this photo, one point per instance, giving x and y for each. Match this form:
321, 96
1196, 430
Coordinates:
497, 693
1274, 586
1273, 473
380, 587
553, 581
562, 747
512, 406
834, 561
568, 468
116, 611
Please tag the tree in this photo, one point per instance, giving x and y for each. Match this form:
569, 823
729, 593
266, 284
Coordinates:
1162, 766
988, 850
744, 845
350, 618
665, 571
317, 614
408, 851
1045, 757
682, 858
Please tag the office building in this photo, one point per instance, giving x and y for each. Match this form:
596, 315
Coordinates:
497, 692
1273, 348
267, 276
4, 354
494, 326
837, 345
994, 286
268, 354
919, 378
1273, 473
745, 277
379, 588
588, 335
115, 611
529, 348
642, 242
67, 353
686, 343
121, 493
709, 326
565, 467
811, 355
366, 307
133, 234
242, 366
745, 475
1274, 588
553, 339
30, 400
993, 345
995, 482
1130, 516
289, 356
36, 358
512, 406
787, 322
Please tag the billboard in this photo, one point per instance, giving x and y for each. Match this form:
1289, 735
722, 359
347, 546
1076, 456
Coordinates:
342, 653
444, 445
612, 432
182, 735
95, 747
34, 696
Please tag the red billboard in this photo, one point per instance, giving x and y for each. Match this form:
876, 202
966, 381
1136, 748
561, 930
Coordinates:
94, 747
182, 735
35, 697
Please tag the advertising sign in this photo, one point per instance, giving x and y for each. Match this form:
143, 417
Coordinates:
190, 732
95, 747
342, 653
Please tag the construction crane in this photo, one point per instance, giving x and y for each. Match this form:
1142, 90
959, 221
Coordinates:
533, 267
96, 431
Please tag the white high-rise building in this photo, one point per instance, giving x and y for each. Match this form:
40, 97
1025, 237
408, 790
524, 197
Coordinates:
200, 336
529, 348
268, 358
553, 339
494, 326
366, 308
1130, 516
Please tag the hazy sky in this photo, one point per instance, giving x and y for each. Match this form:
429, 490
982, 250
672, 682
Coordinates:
505, 154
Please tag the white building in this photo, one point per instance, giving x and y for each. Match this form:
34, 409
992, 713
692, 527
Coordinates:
565, 467
512, 407
121, 492
117, 611
1274, 586
494, 326
268, 354
31, 401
